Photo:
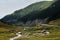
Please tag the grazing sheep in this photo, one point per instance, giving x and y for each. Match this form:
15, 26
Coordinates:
45, 32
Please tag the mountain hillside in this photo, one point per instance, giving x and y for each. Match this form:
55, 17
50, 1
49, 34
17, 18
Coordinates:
37, 13
55, 22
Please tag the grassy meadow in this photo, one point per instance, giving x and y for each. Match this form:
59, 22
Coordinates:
7, 32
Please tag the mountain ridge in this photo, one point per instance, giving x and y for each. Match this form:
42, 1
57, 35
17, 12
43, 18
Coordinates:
42, 12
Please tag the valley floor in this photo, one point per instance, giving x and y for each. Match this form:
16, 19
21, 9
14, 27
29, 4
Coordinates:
32, 33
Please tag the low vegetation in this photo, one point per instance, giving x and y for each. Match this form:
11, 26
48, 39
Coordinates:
33, 33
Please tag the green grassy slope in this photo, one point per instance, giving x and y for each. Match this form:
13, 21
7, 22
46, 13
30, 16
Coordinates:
31, 12
55, 22
53, 35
